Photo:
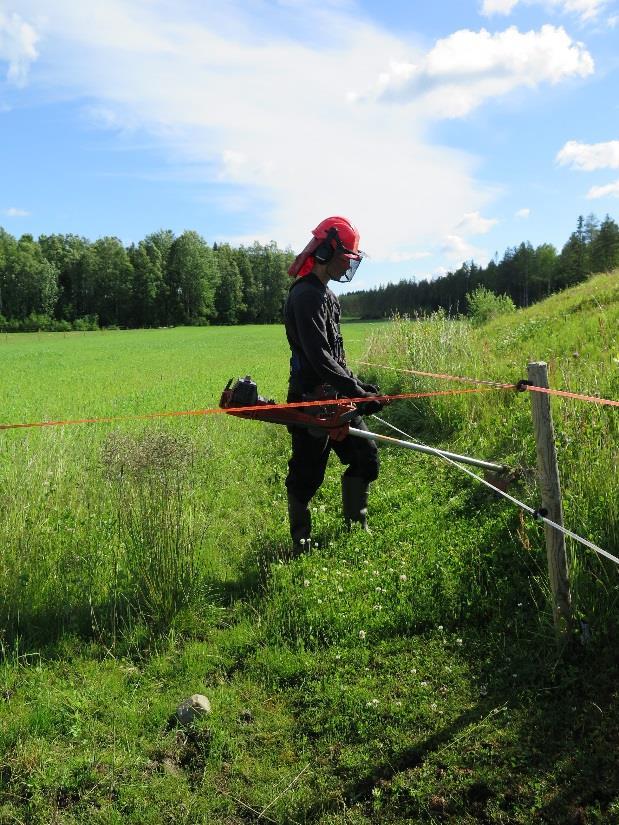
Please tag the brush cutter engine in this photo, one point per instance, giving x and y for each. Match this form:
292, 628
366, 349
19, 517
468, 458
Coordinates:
320, 419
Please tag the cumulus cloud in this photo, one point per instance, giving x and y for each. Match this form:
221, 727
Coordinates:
467, 68
17, 46
585, 9
473, 224
587, 157
457, 249
490, 7
402, 257
610, 189
250, 112
240, 106
14, 212
523, 213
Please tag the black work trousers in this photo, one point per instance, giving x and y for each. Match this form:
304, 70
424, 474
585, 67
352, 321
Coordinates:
306, 468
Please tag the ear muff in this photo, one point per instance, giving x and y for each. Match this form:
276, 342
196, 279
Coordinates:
326, 250
324, 253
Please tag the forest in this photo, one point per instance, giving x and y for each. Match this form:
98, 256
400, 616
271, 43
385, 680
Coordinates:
526, 274
65, 282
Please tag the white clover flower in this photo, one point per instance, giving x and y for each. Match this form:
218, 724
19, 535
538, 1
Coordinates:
403, 577
440, 627
362, 634
459, 642
306, 582
413, 670
425, 683
324, 570
375, 573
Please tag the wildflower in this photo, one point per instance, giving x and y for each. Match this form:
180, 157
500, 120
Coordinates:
375, 572
424, 683
319, 601
306, 582
403, 577
519, 604
322, 508
433, 705
362, 634
413, 670
324, 570
440, 627
459, 642
340, 589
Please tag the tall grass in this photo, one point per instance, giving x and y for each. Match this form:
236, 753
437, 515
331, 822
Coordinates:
577, 334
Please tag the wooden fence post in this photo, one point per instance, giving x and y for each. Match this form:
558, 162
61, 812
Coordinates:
550, 488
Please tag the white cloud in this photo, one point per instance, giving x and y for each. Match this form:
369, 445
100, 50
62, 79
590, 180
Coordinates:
473, 224
523, 213
585, 9
17, 46
587, 157
14, 212
402, 257
498, 6
457, 249
611, 189
233, 101
467, 68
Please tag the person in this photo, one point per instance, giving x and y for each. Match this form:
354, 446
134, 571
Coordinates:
318, 369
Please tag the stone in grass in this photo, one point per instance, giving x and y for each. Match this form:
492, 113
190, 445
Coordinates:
191, 709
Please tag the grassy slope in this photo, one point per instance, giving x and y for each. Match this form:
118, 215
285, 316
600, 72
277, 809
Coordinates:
408, 676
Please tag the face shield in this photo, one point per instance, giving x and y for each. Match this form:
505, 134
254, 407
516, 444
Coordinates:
351, 261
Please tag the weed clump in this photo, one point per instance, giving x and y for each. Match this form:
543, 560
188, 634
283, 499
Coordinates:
157, 570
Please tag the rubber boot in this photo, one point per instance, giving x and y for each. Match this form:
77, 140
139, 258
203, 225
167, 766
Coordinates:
300, 523
355, 493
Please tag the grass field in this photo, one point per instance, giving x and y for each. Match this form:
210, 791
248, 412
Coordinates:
406, 676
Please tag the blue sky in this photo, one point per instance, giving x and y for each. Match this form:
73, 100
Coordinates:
445, 131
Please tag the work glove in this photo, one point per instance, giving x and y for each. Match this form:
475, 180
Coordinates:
369, 388
372, 405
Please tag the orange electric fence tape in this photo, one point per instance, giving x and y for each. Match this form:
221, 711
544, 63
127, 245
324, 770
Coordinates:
228, 410
563, 393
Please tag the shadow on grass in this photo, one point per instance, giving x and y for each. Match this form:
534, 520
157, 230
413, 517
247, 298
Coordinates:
545, 751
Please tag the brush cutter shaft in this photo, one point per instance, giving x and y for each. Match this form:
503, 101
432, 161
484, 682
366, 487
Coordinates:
420, 448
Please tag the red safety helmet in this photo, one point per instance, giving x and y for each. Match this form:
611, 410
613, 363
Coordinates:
335, 235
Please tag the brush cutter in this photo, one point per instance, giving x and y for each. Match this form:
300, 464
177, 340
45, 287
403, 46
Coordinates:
332, 419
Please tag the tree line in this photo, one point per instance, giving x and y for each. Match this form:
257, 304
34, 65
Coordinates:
525, 274
63, 282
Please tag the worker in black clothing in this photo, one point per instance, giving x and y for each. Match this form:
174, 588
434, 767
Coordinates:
318, 370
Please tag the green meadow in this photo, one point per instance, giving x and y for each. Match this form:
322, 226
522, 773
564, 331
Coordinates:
410, 675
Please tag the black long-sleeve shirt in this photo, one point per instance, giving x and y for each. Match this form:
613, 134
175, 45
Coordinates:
312, 319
